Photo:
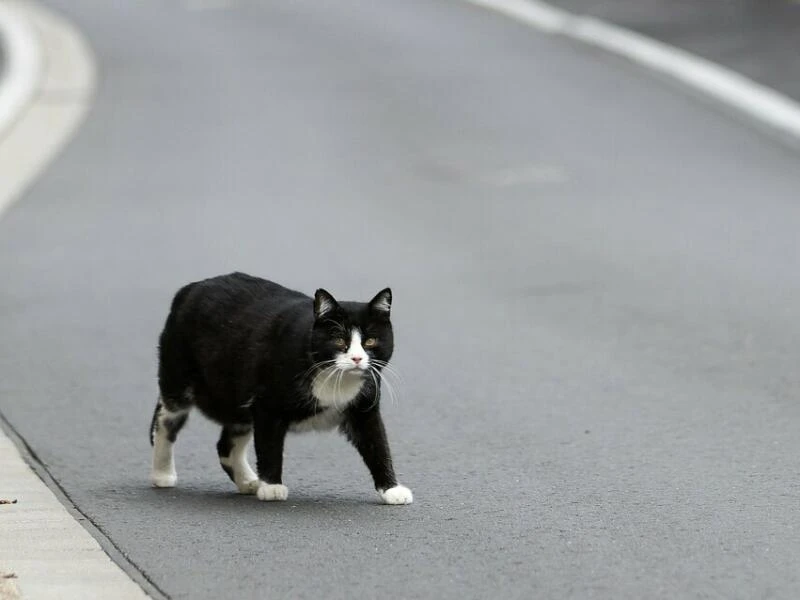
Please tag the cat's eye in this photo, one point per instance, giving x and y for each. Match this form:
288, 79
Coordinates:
370, 343
339, 342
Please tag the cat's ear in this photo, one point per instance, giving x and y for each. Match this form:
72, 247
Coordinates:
381, 304
324, 304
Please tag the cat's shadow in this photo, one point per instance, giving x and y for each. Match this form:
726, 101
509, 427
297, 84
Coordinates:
197, 499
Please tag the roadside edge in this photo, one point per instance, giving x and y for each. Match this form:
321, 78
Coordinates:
762, 105
49, 549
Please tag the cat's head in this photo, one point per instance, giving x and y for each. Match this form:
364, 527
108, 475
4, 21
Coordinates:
353, 336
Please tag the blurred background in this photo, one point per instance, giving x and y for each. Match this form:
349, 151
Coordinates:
596, 294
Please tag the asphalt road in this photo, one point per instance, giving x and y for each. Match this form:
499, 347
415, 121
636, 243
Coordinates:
596, 304
758, 38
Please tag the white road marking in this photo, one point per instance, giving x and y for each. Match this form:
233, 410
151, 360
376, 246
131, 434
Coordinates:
763, 104
22, 74
62, 95
38, 114
21, 77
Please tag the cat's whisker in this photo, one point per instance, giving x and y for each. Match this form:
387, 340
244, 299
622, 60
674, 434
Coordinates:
385, 372
391, 377
328, 373
325, 371
315, 367
393, 395
380, 380
339, 390
371, 371
318, 365
393, 372
332, 371
385, 366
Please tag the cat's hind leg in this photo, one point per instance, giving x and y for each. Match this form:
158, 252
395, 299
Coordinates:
168, 419
232, 451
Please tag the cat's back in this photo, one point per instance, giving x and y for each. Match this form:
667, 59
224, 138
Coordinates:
232, 298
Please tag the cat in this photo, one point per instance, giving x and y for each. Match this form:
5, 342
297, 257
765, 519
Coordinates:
263, 360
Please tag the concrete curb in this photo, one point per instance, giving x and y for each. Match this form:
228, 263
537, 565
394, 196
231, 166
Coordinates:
766, 107
45, 553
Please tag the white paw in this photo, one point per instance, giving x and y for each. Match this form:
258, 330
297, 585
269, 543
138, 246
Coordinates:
271, 491
399, 494
248, 487
163, 479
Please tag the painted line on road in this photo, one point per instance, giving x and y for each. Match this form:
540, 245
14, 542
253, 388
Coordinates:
23, 65
48, 101
48, 549
764, 105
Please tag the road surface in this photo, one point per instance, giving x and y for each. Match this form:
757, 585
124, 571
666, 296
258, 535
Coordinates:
758, 38
596, 303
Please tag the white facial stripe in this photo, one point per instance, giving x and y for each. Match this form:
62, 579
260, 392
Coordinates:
356, 350
339, 384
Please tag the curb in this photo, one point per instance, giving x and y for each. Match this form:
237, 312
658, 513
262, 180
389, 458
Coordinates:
762, 105
46, 551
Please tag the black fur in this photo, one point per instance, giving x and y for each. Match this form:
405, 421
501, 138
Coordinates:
243, 350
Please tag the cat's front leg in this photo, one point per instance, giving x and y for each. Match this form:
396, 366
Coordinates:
270, 433
367, 433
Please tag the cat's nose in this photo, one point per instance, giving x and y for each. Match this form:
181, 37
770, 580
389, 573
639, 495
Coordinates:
357, 359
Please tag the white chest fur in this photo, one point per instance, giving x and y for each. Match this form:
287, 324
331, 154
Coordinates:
336, 390
332, 391
323, 421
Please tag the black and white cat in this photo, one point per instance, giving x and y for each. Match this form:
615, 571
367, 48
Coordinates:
263, 360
